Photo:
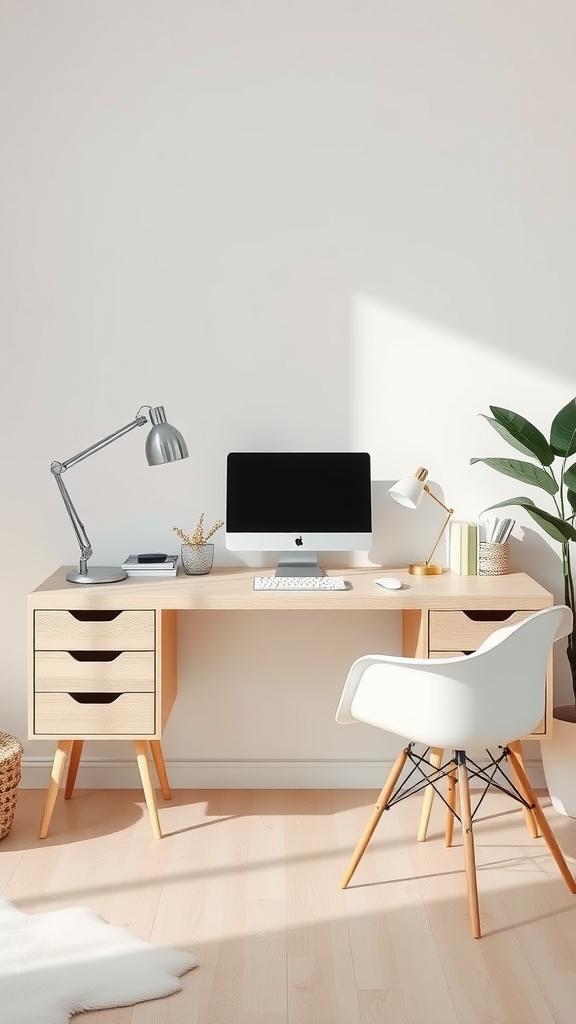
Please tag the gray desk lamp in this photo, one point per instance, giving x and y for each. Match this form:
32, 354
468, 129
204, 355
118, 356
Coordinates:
408, 492
163, 444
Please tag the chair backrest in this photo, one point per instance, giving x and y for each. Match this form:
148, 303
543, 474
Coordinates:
494, 695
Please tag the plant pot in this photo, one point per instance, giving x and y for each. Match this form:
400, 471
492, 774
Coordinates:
559, 760
197, 561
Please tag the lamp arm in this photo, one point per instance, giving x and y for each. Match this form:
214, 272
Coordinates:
138, 421
57, 468
77, 524
450, 512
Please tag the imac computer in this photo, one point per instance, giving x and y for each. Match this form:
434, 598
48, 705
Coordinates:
298, 503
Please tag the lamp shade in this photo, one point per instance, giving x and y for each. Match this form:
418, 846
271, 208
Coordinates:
164, 443
409, 490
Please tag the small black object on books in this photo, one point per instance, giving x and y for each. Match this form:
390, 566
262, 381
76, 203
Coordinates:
164, 565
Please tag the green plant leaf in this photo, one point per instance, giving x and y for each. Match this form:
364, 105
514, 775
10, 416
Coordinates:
557, 528
525, 433
563, 430
571, 495
569, 477
506, 435
524, 502
526, 472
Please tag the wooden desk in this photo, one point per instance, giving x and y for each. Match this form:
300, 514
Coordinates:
103, 658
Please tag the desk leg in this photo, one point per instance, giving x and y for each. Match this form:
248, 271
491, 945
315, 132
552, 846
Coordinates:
144, 769
58, 766
436, 755
73, 768
156, 748
531, 823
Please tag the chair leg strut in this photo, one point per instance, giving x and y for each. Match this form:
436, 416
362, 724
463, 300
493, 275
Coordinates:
468, 838
541, 819
379, 808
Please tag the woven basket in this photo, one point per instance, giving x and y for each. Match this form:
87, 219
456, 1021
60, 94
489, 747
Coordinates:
11, 751
493, 559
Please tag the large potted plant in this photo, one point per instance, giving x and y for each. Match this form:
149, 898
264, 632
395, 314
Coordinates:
548, 470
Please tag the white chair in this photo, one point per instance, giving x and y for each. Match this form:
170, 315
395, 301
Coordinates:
486, 699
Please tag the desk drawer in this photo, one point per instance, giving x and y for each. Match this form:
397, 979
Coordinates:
57, 630
61, 714
465, 631
98, 671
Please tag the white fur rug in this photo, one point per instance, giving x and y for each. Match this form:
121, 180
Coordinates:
56, 964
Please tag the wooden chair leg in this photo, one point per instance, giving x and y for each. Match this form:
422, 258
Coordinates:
451, 800
59, 763
380, 806
147, 786
468, 837
156, 748
75, 756
436, 755
531, 823
551, 842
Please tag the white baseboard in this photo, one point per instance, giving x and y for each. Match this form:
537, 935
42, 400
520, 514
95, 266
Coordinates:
358, 774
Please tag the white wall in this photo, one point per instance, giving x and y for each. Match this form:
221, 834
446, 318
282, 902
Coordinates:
236, 209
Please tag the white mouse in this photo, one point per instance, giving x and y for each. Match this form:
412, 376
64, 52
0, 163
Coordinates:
390, 582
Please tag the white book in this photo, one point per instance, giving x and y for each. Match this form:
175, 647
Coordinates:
138, 573
132, 563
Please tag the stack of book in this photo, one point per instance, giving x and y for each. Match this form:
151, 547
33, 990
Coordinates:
463, 548
133, 567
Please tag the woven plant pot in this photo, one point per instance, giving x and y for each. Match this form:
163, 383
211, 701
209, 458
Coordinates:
197, 561
11, 751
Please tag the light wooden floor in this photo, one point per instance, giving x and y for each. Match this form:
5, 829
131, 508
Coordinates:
250, 882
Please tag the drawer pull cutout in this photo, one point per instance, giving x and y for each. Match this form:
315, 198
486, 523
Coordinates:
95, 698
100, 616
487, 616
94, 655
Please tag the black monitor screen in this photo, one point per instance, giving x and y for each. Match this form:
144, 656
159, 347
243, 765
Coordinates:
316, 492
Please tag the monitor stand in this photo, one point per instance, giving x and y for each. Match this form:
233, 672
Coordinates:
298, 563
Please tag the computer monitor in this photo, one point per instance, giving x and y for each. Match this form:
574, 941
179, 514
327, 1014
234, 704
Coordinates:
298, 503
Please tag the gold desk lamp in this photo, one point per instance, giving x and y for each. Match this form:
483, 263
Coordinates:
408, 492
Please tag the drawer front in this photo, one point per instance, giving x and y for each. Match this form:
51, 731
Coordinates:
59, 714
465, 631
57, 630
86, 671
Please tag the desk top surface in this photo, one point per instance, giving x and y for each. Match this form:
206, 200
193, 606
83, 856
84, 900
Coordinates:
231, 589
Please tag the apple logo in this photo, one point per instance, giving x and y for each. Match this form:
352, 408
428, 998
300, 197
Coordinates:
298, 542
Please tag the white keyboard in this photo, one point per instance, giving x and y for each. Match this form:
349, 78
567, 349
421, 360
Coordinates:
299, 583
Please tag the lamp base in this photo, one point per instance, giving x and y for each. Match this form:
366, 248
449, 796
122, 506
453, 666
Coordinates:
425, 569
97, 574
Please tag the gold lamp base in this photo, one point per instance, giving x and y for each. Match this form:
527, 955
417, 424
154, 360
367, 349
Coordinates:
425, 569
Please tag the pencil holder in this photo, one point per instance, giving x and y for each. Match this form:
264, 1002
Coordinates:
493, 559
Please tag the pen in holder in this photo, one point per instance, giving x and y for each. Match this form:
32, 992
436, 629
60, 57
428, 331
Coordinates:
493, 559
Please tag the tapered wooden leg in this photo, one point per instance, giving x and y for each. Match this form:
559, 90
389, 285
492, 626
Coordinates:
436, 755
147, 786
59, 763
531, 823
156, 748
375, 817
451, 800
468, 837
75, 756
530, 796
